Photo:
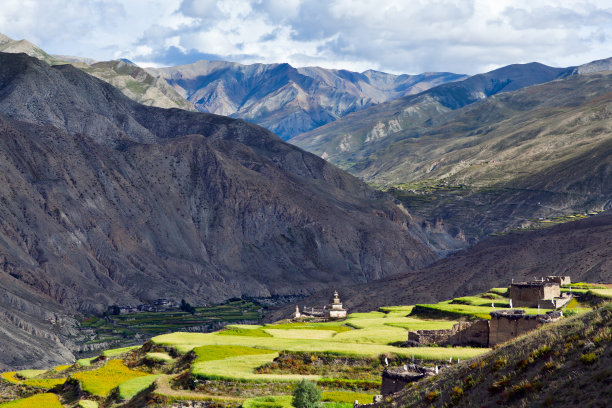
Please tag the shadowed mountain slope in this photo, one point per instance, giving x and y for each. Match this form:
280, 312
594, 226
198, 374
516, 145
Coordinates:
581, 249
290, 100
107, 201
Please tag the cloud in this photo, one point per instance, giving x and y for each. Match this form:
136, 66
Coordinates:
465, 36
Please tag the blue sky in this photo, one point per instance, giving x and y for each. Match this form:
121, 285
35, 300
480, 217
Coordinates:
410, 36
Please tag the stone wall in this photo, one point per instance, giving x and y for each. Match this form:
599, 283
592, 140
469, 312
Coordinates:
424, 337
470, 333
394, 380
508, 324
561, 280
530, 294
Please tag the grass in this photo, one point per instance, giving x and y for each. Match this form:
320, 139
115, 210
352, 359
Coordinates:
27, 374
603, 293
162, 357
283, 401
247, 332
347, 396
88, 404
300, 334
86, 362
62, 367
450, 309
101, 381
128, 389
118, 351
185, 342
241, 369
214, 352
45, 383
234, 363
36, 401
10, 377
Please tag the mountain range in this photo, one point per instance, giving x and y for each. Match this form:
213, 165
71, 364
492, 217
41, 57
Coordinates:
108, 201
132, 80
279, 97
288, 100
486, 164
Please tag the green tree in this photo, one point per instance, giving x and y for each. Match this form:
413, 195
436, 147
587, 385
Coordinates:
186, 307
306, 395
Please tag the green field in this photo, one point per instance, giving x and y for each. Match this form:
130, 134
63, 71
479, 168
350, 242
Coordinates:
258, 365
121, 329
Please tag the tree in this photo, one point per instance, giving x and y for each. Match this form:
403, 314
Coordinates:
306, 395
113, 310
186, 307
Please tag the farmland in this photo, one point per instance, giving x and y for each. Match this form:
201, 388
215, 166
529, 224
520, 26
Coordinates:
258, 365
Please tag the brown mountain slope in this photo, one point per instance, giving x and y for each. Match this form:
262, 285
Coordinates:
290, 100
566, 364
581, 249
497, 164
103, 200
130, 79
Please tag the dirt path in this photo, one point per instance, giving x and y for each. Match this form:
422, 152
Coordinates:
163, 388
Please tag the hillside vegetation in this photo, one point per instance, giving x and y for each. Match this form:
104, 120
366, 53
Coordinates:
566, 364
252, 365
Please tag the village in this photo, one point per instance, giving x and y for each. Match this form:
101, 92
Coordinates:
361, 358
504, 325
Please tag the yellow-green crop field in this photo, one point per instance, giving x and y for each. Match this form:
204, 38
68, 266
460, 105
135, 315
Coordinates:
101, 381
345, 358
36, 401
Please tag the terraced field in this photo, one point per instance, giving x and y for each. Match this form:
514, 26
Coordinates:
257, 366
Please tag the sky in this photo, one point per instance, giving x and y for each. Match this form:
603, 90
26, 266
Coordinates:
409, 36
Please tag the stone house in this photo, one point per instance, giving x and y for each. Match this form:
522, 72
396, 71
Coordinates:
545, 293
503, 326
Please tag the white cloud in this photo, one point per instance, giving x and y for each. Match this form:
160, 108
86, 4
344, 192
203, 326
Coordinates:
467, 36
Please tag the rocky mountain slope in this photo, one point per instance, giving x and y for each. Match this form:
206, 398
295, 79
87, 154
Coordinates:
497, 164
563, 364
289, 100
581, 249
104, 200
130, 79
355, 137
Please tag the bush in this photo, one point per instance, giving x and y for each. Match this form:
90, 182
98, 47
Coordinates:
306, 395
432, 396
588, 359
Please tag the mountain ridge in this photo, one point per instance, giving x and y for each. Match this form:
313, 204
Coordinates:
108, 201
285, 99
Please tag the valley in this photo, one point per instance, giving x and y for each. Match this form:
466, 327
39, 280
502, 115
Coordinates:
171, 230
258, 365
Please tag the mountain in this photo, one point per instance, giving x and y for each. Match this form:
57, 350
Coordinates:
358, 136
130, 79
561, 364
288, 100
580, 249
500, 163
104, 201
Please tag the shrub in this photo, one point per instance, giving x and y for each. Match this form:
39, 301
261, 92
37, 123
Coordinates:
499, 386
523, 388
456, 394
499, 363
432, 396
589, 358
306, 395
